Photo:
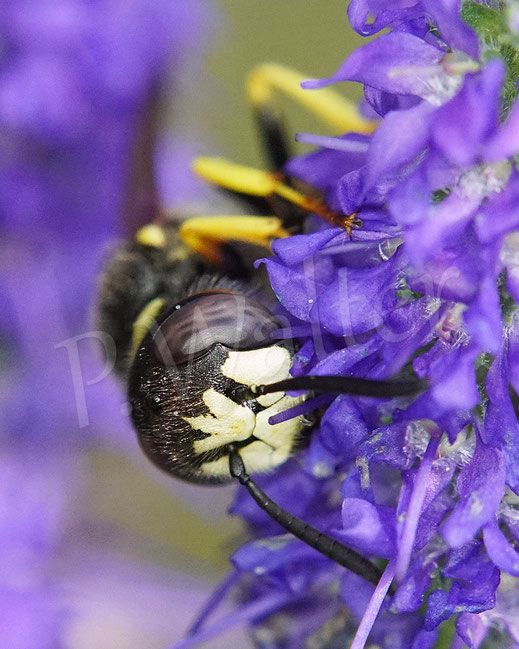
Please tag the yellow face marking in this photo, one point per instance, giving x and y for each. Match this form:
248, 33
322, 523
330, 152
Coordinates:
256, 182
273, 447
258, 458
280, 436
226, 422
151, 235
259, 366
274, 443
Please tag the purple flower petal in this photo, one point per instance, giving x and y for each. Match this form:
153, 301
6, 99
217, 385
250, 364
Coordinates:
474, 592
268, 555
439, 608
512, 344
481, 486
399, 139
500, 214
295, 249
499, 549
324, 168
477, 577
472, 629
446, 14
368, 528
462, 142
297, 287
344, 308
505, 142
343, 428
411, 591
454, 382
387, 445
384, 102
319, 462
501, 426
360, 10
385, 64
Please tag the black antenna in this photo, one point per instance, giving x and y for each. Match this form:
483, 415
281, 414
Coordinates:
338, 385
321, 542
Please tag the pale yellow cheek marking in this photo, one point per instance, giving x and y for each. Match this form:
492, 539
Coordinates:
259, 366
258, 457
217, 469
283, 434
268, 399
252, 367
226, 422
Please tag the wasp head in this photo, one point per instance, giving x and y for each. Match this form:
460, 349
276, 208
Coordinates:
186, 381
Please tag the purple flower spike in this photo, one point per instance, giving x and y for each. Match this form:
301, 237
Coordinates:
427, 286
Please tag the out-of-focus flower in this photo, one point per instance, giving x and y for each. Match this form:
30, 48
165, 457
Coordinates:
427, 284
77, 81
33, 505
78, 85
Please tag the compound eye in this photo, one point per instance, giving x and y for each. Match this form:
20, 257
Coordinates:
196, 324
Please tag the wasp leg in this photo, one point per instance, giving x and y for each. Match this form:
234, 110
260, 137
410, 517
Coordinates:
144, 321
274, 140
235, 177
341, 114
269, 122
249, 180
207, 234
321, 542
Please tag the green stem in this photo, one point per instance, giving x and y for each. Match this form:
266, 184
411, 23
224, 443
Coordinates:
446, 634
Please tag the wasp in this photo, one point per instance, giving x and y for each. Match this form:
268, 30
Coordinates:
195, 330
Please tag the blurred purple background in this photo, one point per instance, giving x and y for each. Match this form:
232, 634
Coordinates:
97, 548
